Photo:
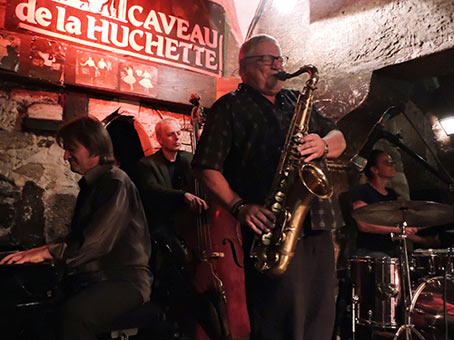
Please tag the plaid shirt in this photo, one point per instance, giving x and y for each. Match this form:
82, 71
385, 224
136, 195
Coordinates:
243, 138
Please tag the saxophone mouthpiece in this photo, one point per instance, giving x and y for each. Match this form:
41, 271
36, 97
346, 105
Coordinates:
312, 70
282, 75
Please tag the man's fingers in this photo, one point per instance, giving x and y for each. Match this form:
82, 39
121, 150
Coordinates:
269, 214
266, 222
196, 203
11, 258
14, 259
259, 224
254, 228
5, 259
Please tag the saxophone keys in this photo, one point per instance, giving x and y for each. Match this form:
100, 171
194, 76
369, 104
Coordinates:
297, 137
266, 239
276, 207
279, 197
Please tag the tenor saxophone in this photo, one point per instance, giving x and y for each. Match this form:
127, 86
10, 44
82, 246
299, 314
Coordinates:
296, 183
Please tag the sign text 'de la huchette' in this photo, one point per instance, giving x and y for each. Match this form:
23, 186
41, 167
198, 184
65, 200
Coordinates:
134, 31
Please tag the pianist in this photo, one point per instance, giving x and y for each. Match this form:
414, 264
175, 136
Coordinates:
107, 250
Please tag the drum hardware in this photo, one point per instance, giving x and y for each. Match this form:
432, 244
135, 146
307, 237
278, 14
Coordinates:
431, 309
435, 270
401, 212
445, 293
419, 214
427, 263
355, 300
407, 327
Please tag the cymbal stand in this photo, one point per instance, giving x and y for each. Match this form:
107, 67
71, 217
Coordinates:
447, 269
405, 284
354, 307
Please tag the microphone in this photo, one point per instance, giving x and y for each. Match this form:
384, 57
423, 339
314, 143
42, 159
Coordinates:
359, 160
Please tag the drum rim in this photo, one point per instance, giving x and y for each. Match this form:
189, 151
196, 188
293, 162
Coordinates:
359, 257
383, 259
421, 287
432, 251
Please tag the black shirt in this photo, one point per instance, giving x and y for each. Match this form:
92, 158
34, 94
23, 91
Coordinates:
109, 237
370, 241
243, 139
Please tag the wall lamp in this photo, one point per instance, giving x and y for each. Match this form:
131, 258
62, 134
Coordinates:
448, 125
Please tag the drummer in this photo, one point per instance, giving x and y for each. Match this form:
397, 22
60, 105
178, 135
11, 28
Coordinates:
375, 240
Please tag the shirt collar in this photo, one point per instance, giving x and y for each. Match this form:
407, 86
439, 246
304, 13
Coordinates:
93, 174
166, 160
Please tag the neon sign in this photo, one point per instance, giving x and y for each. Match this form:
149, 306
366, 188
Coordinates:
125, 27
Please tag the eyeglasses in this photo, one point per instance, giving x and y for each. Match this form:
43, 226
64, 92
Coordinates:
268, 59
389, 163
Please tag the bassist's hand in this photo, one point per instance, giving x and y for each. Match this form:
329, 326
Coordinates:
195, 203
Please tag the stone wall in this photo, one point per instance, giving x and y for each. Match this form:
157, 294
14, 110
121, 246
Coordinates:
348, 44
38, 191
353, 43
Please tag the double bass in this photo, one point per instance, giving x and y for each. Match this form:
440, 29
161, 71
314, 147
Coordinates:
218, 270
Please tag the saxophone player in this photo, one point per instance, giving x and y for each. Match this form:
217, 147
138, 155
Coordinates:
236, 159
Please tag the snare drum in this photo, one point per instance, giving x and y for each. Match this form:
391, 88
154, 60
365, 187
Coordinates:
432, 262
376, 290
427, 309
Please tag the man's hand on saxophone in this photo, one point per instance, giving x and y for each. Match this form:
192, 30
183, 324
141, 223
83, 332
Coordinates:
256, 217
330, 146
312, 147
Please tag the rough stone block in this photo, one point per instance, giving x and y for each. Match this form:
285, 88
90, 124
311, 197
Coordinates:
30, 97
28, 225
45, 111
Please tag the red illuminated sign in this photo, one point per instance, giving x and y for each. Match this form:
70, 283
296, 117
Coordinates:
177, 35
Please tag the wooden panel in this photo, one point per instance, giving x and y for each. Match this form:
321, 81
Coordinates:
177, 86
171, 85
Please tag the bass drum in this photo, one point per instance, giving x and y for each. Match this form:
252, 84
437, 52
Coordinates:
428, 312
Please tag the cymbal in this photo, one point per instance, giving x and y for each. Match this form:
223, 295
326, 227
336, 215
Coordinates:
417, 214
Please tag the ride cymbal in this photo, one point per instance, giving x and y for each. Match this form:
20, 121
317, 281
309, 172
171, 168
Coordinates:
417, 214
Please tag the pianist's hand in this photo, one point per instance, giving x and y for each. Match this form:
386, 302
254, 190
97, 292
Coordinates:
34, 255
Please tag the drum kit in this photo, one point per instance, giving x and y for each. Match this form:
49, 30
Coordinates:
407, 297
